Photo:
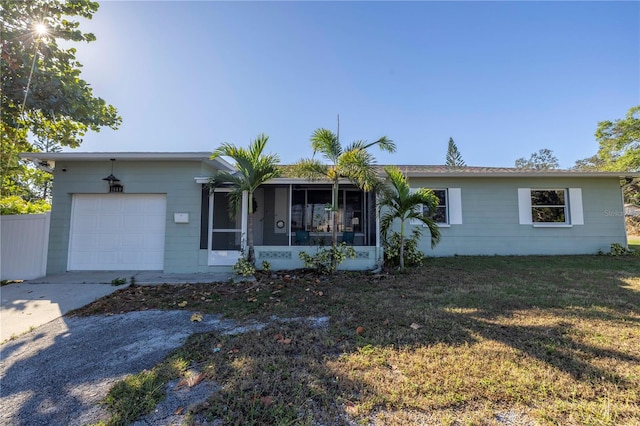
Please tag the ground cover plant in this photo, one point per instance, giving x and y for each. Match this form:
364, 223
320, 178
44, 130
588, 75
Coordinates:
464, 340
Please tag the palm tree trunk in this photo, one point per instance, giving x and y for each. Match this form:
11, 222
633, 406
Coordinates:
334, 209
334, 236
402, 244
250, 254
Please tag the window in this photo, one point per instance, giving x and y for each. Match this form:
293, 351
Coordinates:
440, 215
311, 210
449, 208
550, 206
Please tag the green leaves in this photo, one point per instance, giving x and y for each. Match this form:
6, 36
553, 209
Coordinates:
59, 107
254, 169
398, 201
620, 142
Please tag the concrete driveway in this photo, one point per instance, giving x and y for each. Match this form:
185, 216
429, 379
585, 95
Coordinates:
30, 304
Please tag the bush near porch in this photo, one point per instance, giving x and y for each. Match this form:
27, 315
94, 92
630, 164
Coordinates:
464, 340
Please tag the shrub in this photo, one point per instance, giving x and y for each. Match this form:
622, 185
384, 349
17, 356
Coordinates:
326, 260
243, 267
16, 205
412, 255
633, 225
619, 250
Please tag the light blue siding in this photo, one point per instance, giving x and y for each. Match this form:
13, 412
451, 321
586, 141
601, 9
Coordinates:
491, 221
175, 179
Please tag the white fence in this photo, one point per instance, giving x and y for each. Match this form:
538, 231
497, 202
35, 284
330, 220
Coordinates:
24, 243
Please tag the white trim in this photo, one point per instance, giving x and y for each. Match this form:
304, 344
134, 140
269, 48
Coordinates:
524, 206
288, 222
552, 225
575, 206
224, 257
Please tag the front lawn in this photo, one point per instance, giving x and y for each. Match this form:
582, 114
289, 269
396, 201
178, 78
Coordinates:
464, 340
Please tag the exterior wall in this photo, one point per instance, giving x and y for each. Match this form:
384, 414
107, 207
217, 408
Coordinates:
490, 220
490, 216
24, 246
174, 178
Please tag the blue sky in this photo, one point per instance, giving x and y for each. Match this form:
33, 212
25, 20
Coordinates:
504, 79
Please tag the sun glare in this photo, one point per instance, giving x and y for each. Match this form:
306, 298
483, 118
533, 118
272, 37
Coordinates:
41, 29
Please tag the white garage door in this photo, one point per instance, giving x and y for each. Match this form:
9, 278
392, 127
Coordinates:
112, 232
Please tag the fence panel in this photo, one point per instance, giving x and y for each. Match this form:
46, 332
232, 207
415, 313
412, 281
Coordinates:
24, 244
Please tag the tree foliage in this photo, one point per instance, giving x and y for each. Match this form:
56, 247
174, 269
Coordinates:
619, 143
541, 160
254, 169
454, 158
43, 95
618, 151
398, 201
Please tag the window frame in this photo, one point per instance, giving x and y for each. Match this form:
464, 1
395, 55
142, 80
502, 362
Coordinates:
564, 207
453, 200
574, 213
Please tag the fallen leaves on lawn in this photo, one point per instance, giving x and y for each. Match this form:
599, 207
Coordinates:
281, 339
182, 304
191, 380
415, 326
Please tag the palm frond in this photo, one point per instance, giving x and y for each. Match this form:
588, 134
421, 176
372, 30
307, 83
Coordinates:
357, 166
310, 169
326, 143
222, 178
384, 143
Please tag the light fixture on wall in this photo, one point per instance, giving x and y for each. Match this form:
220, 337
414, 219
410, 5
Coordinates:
114, 185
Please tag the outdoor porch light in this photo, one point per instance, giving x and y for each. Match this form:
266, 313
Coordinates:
114, 186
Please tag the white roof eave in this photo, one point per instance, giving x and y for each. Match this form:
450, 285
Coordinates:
52, 157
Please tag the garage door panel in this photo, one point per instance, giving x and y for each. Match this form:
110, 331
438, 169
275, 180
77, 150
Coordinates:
85, 242
117, 232
108, 242
86, 224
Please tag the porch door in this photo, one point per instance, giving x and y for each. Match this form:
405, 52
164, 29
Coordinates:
226, 233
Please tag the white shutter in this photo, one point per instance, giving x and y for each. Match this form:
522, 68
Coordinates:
524, 206
455, 206
575, 206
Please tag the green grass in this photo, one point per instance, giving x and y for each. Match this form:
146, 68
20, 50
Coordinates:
634, 244
463, 340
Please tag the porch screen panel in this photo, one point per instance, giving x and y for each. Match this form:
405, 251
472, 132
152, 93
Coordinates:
226, 229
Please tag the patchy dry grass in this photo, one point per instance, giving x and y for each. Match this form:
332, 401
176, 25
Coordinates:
466, 340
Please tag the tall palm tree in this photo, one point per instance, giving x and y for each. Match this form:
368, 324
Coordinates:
353, 162
254, 169
397, 201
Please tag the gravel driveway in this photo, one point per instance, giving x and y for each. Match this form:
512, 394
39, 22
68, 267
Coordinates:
58, 373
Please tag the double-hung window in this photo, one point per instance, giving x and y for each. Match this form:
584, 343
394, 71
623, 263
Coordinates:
550, 206
449, 208
440, 215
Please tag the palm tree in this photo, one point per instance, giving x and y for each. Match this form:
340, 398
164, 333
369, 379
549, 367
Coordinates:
353, 162
254, 169
397, 201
